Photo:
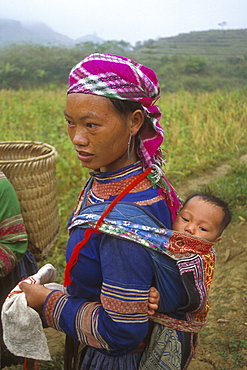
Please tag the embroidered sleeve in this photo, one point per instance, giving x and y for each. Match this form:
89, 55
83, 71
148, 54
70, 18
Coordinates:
56, 303
8, 260
117, 320
13, 236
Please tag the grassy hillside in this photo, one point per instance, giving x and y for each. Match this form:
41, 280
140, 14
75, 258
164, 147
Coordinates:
214, 43
197, 61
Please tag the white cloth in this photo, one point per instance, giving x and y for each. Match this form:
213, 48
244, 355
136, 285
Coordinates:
23, 332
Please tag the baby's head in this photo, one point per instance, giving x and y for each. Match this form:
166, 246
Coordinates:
203, 215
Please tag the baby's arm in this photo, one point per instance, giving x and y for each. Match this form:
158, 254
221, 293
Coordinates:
153, 300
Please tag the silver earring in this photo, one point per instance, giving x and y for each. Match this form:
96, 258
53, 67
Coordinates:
130, 150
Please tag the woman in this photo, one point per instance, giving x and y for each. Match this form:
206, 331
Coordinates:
16, 262
113, 124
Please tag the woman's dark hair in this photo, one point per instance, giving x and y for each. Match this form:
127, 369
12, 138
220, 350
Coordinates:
127, 106
211, 198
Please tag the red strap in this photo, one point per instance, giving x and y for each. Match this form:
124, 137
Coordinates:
74, 256
25, 366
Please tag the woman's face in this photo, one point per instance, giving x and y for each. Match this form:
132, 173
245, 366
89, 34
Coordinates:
99, 133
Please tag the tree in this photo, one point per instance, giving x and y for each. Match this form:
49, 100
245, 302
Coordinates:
222, 24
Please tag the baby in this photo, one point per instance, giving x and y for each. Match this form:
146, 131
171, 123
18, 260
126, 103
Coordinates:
203, 215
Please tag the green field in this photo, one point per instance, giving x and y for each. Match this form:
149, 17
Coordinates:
202, 131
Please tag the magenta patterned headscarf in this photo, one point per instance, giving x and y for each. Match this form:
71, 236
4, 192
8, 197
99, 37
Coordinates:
118, 77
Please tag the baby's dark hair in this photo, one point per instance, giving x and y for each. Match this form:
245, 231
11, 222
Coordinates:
211, 198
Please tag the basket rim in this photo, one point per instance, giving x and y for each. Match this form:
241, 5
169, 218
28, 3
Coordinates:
32, 159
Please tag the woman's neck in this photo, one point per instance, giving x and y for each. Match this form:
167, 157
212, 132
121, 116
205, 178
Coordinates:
120, 163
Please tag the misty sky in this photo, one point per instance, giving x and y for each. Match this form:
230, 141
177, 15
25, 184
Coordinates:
129, 20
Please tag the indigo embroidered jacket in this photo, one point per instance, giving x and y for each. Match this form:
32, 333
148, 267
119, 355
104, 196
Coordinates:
106, 304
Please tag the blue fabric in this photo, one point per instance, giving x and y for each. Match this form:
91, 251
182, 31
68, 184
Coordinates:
94, 360
167, 276
126, 267
107, 260
158, 208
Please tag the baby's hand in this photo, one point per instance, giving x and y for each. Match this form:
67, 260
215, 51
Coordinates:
153, 300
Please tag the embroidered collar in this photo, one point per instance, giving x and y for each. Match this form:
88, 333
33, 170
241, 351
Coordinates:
123, 173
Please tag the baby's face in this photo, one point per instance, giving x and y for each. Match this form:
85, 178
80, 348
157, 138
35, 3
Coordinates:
200, 218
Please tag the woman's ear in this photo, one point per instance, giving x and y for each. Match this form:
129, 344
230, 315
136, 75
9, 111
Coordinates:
137, 119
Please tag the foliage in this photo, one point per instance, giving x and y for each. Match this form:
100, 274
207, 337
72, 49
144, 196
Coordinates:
198, 61
233, 188
195, 65
57, 363
201, 130
31, 65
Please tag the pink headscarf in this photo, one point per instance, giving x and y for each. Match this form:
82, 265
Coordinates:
118, 77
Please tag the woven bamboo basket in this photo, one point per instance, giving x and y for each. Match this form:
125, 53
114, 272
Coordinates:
31, 168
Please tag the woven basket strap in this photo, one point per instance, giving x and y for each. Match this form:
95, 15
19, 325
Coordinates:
170, 322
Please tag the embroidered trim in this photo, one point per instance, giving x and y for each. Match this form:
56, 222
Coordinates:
86, 324
125, 305
170, 322
54, 306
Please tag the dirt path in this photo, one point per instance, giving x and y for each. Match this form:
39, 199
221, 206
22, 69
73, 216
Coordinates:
191, 185
224, 339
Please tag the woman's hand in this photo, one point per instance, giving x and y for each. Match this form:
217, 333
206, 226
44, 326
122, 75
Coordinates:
35, 294
153, 300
